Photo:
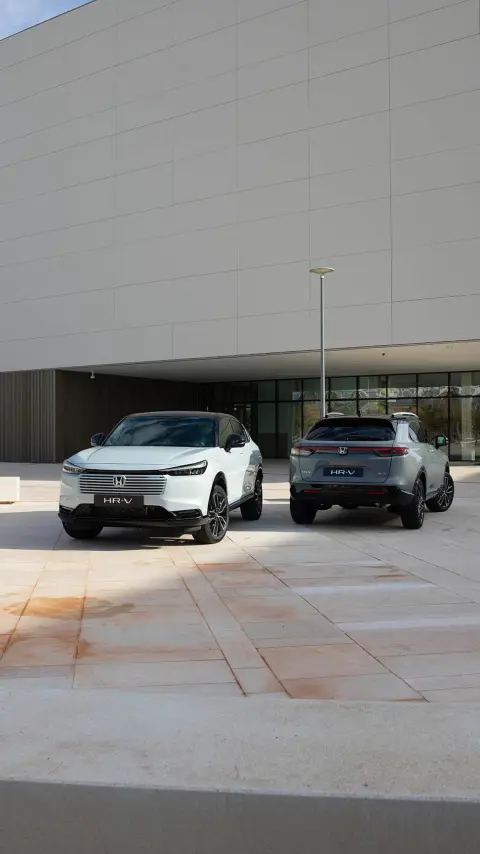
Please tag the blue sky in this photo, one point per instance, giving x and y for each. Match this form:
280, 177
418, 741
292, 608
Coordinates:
16, 15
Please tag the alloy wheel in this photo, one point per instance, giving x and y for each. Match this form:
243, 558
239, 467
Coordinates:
445, 496
218, 515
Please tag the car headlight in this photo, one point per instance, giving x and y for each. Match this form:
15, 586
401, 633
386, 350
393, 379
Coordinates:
187, 471
69, 468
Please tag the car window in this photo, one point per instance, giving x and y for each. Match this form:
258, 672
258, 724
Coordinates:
225, 431
239, 428
414, 431
352, 430
163, 431
422, 433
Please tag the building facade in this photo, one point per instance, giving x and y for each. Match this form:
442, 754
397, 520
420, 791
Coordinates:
171, 169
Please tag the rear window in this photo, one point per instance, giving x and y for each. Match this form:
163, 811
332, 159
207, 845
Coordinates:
351, 430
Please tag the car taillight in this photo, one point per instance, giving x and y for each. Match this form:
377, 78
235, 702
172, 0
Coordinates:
298, 451
390, 452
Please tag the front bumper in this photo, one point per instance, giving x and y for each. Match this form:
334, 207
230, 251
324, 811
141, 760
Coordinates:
363, 495
149, 516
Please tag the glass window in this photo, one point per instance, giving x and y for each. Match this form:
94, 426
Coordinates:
159, 431
352, 430
311, 414
343, 407
434, 414
343, 387
464, 429
465, 384
225, 430
289, 427
311, 389
290, 390
405, 404
372, 407
266, 429
372, 386
402, 385
266, 390
433, 385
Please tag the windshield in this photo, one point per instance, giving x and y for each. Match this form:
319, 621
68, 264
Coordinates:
159, 431
354, 430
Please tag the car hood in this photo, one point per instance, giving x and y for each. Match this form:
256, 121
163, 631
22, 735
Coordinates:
137, 458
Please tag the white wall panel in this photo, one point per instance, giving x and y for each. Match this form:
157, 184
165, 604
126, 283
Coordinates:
332, 19
267, 36
280, 288
347, 94
255, 8
439, 125
353, 185
205, 130
351, 326
400, 9
434, 28
205, 175
351, 229
273, 113
183, 300
422, 321
273, 73
278, 240
350, 144
144, 189
273, 161
197, 17
438, 270
359, 280
127, 9
452, 213
145, 146
205, 338
145, 34
349, 52
444, 70
443, 169
275, 200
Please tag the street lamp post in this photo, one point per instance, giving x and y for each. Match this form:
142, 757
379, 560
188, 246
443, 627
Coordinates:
322, 272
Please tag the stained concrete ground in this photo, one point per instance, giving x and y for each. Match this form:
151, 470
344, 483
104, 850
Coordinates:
352, 608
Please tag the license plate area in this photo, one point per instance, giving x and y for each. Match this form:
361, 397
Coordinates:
343, 472
122, 502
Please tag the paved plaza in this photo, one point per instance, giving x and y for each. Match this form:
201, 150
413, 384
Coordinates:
353, 608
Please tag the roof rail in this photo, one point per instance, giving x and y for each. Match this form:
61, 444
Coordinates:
404, 415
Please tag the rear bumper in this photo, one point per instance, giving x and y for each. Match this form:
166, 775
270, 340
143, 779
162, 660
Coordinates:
363, 495
150, 516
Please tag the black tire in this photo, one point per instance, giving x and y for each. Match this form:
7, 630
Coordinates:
252, 509
444, 497
82, 530
302, 512
219, 516
413, 516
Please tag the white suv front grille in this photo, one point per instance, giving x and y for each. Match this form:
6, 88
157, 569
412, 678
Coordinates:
119, 483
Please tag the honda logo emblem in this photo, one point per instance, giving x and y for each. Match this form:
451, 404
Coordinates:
343, 452
119, 481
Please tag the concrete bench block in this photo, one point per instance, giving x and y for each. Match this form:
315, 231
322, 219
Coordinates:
9, 490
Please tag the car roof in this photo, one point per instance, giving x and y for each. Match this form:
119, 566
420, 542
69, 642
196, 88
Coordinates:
181, 413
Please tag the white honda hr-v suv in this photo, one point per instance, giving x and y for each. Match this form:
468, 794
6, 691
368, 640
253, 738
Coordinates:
179, 471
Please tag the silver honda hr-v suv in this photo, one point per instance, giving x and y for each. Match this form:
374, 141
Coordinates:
384, 461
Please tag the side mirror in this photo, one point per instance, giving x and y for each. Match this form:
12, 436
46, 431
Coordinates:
441, 441
97, 439
234, 441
